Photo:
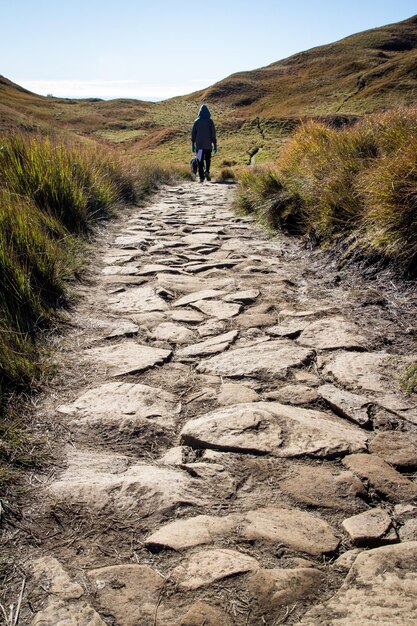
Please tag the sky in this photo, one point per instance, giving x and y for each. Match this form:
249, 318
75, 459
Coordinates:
156, 49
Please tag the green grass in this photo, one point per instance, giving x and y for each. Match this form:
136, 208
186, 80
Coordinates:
358, 182
409, 381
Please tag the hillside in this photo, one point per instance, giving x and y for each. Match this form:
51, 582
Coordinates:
254, 111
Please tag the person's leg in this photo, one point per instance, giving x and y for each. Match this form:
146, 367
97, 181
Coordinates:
201, 167
207, 155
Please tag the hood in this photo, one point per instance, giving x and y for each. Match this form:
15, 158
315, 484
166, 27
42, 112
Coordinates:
204, 113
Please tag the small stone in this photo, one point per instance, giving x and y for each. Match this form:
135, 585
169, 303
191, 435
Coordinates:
244, 297
201, 613
306, 378
282, 587
191, 532
61, 613
207, 566
231, 393
397, 448
213, 345
384, 479
187, 317
255, 320
149, 269
293, 394
408, 531
128, 358
331, 333
217, 308
174, 333
211, 328
51, 576
173, 456
346, 404
137, 300
291, 328
122, 270
346, 560
367, 528
121, 328
197, 296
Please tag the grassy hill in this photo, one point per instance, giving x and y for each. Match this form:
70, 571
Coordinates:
254, 111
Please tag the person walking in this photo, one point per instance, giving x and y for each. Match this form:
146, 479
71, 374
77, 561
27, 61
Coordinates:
204, 140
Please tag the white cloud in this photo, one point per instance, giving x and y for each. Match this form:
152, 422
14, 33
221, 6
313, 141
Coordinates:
110, 88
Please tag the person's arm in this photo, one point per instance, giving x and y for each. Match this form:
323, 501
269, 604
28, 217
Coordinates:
213, 134
194, 132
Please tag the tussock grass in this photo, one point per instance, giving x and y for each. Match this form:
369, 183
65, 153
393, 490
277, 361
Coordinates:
358, 181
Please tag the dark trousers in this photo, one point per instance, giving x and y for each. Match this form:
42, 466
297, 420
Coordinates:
204, 164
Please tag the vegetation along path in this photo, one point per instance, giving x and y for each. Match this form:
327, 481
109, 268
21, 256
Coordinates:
232, 446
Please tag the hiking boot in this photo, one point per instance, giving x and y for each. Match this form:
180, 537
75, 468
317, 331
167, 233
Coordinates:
201, 180
208, 177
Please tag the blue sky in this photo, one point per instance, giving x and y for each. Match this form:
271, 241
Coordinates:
156, 49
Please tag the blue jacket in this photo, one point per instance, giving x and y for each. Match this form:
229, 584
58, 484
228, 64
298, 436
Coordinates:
203, 133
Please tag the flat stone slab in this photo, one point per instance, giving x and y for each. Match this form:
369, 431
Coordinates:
271, 359
53, 578
174, 333
381, 589
368, 528
244, 297
198, 295
120, 270
129, 593
67, 613
207, 566
201, 613
217, 308
273, 428
136, 240
192, 532
137, 300
190, 284
321, 487
155, 268
200, 238
187, 317
106, 482
213, 345
284, 587
290, 328
121, 328
233, 393
363, 370
293, 394
128, 357
384, 479
331, 333
397, 448
122, 405
346, 404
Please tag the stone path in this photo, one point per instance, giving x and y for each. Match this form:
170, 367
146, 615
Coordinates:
235, 447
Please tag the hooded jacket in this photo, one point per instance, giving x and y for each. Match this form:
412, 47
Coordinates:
203, 133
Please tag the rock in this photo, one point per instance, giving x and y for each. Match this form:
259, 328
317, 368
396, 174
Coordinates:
272, 428
368, 528
154, 268
129, 593
105, 482
200, 238
270, 359
174, 333
121, 328
52, 577
381, 588
290, 328
383, 478
137, 300
201, 613
346, 560
408, 531
319, 486
204, 267
293, 394
211, 328
231, 393
346, 404
307, 313
187, 317
128, 357
133, 241
61, 613
197, 296
122, 270
192, 532
206, 566
122, 406
173, 456
147, 321
217, 308
213, 345
282, 587
306, 378
331, 333
255, 320
397, 448
359, 369
244, 297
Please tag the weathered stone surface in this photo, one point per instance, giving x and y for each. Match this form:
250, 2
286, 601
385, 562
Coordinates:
232, 393
270, 427
121, 328
206, 566
281, 587
408, 531
359, 369
293, 528
53, 578
195, 268
137, 300
396, 447
367, 528
213, 345
290, 328
211, 328
293, 394
121, 406
319, 486
187, 317
129, 593
331, 333
197, 296
384, 479
147, 321
266, 360
175, 333
106, 481
128, 357
61, 613
255, 320
192, 532
346, 404
346, 560
154, 268
122, 270
132, 241
381, 588
201, 613
200, 238
307, 313
217, 308
245, 297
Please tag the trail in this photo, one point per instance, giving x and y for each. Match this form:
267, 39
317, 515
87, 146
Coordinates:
229, 436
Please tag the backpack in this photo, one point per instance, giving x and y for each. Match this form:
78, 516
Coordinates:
194, 165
